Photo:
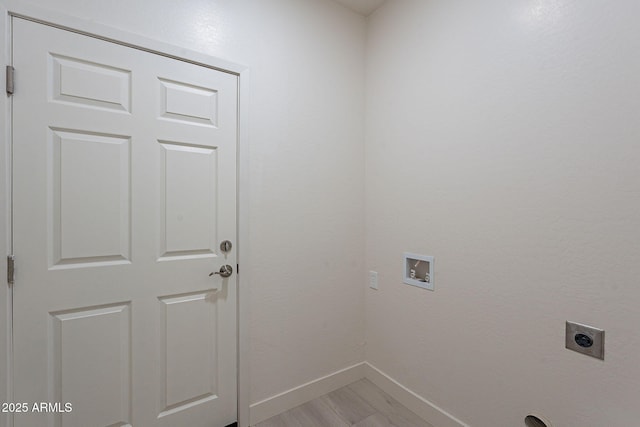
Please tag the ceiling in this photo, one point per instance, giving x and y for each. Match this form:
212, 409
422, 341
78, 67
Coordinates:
363, 7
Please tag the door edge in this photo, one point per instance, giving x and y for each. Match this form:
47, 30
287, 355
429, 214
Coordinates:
5, 223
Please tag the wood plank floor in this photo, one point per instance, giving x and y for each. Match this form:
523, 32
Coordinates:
360, 404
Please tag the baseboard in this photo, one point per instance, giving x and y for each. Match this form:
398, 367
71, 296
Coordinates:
416, 403
289, 399
297, 396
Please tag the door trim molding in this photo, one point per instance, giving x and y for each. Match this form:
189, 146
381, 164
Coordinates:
17, 8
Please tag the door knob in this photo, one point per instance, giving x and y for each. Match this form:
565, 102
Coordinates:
225, 271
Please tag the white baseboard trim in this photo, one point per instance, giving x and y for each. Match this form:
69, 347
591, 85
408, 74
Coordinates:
297, 396
416, 403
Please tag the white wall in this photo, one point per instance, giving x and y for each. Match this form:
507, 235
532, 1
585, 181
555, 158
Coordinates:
503, 137
306, 148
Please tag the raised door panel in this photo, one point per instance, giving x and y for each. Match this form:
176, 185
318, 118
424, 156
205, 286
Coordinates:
90, 365
189, 350
183, 102
188, 200
89, 194
87, 84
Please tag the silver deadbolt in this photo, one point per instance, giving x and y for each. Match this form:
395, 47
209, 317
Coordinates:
225, 246
225, 271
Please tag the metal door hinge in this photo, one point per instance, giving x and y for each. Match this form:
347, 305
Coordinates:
11, 274
10, 79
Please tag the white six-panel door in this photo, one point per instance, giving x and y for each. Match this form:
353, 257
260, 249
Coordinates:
124, 185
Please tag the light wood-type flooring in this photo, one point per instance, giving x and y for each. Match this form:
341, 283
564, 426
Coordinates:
360, 404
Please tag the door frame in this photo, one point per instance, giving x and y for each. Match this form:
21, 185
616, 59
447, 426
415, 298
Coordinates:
16, 8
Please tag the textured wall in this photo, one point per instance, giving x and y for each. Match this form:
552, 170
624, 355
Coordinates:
502, 137
306, 137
